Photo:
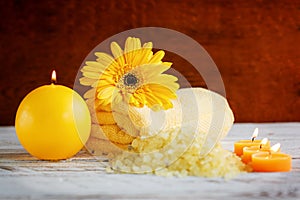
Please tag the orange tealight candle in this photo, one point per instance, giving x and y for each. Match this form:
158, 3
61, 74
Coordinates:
271, 161
248, 151
238, 146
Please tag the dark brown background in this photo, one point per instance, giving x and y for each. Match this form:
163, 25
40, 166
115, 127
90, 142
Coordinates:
255, 44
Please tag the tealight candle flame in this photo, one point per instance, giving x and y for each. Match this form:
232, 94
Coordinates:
255, 134
275, 147
53, 77
263, 142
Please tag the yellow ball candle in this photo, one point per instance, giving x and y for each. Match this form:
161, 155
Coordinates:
53, 122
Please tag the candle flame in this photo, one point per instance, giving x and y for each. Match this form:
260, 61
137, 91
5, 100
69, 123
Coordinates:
255, 134
275, 147
264, 141
53, 77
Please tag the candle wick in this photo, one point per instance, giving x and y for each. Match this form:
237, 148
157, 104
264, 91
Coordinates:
252, 139
53, 80
260, 146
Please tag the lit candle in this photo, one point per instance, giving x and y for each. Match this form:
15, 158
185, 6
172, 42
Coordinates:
238, 146
248, 151
53, 122
271, 161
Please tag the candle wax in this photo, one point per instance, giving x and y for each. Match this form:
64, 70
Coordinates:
53, 122
238, 146
249, 151
271, 162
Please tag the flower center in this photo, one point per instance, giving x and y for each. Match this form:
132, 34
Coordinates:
130, 80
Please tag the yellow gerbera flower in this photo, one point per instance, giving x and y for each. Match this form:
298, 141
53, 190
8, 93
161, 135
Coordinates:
134, 75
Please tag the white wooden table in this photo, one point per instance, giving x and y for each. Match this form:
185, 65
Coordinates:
83, 177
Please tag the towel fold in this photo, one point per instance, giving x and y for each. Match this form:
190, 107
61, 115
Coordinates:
111, 132
202, 110
196, 111
100, 147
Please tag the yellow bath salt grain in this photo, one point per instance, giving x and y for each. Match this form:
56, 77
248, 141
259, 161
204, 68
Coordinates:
159, 151
218, 163
178, 155
153, 143
182, 141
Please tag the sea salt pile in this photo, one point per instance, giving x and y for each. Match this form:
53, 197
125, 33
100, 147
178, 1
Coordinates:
178, 159
182, 141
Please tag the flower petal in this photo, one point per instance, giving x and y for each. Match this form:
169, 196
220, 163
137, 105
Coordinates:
106, 93
162, 91
156, 89
98, 66
152, 100
132, 51
117, 53
169, 64
146, 53
138, 97
137, 57
106, 60
103, 84
117, 98
136, 43
128, 49
148, 45
95, 84
90, 93
87, 81
116, 50
87, 69
92, 75
157, 57
152, 70
165, 80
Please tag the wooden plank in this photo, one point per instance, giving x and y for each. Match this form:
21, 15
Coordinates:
22, 176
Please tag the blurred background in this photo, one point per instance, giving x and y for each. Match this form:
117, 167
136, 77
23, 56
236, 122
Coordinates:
255, 45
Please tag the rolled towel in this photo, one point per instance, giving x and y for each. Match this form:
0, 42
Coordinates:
100, 147
105, 131
102, 118
94, 105
112, 133
196, 110
123, 120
